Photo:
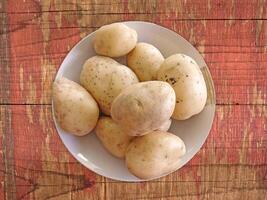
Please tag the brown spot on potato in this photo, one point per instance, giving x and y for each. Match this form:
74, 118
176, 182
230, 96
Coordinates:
139, 103
171, 80
78, 130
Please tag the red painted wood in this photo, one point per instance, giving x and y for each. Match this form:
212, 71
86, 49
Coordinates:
37, 35
228, 56
233, 160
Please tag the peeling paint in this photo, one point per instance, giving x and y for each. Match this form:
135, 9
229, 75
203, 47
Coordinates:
204, 22
232, 13
209, 5
259, 23
258, 31
201, 47
45, 21
265, 35
258, 97
29, 113
58, 19
48, 71
21, 81
31, 88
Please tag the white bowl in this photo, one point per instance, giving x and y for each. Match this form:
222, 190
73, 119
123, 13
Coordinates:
194, 131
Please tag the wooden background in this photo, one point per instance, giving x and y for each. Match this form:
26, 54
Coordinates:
36, 35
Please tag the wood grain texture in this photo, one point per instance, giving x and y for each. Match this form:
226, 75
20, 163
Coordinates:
35, 36
38, 46
231, 164
184, 9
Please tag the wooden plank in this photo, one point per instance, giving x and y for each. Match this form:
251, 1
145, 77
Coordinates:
36, 36
36, 75
4, 57
42, 167
229, 52
38, 45
8, 189
232, 164
182, 9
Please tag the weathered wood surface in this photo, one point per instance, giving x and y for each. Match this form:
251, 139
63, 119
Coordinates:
231, 35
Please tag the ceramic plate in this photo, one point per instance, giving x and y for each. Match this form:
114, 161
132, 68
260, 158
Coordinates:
194, 131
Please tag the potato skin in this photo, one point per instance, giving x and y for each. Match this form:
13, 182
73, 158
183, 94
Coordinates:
154, 154
143, 107
145, 60
187, 80
113, 138
114, 40
75, 109
105, 78
165, 126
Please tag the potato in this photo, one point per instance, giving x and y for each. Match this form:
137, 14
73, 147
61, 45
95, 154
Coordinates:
165, 126
75, 109
145, 61
185, 76
155, 154
112, 137
143, 107
104, 78
114, 40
